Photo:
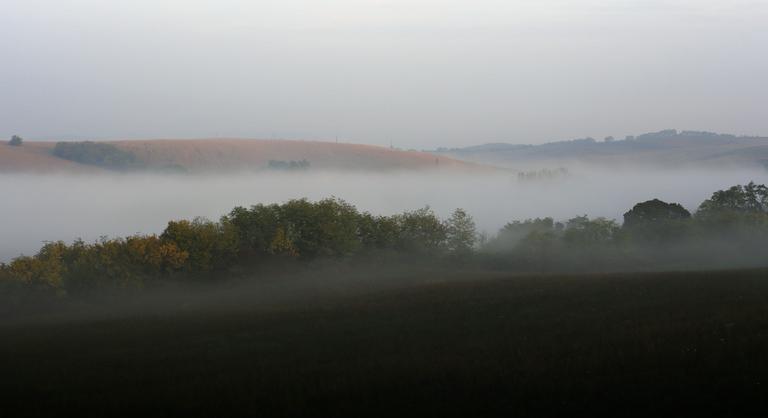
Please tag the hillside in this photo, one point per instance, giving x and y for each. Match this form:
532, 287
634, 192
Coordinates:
209, 155
664, 149
469, 344
242, 154
36, 157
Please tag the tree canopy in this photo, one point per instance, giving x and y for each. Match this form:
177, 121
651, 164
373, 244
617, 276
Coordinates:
750, 198
654, 211
731, 225
461, 234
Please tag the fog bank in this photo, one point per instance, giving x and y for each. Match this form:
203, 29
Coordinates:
65, 207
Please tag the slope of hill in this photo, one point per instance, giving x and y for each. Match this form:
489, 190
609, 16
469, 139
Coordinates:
36, 157
668, 148
207, 155
467, 344
244, 154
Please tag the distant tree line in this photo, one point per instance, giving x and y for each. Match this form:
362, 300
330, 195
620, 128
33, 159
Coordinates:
97, 153
288, 165
730, 228
543, 174
296, 231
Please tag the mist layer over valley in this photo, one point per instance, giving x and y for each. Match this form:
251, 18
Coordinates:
39, 208
303, 208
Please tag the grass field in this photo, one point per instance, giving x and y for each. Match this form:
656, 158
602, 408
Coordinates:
234, 155
459, 344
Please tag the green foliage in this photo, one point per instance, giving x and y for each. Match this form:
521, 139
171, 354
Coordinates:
210, 245
256, 228
749, 198
513, 233
654, 211
131, 262
44, 271
732, 225
328, 227
738, 214
730, 228
739, 205
461, 235
657, 221
16, 141
8, 282
378, 233
282, 245
540, 248
420, 232
96, 153
583, 231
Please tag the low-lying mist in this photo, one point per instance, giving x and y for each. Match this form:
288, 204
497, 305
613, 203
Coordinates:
38, 208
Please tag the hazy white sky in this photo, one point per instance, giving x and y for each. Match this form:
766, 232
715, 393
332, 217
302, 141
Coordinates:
418, 73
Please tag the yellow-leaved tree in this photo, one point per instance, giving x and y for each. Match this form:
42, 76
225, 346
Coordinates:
282, 245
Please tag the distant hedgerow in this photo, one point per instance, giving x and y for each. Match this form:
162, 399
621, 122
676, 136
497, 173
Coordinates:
96, 153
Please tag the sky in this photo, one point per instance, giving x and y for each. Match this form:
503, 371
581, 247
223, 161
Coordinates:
411, 73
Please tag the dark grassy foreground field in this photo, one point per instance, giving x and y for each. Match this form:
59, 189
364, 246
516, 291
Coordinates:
462, 344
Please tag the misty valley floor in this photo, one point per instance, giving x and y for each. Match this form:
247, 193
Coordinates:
478, 344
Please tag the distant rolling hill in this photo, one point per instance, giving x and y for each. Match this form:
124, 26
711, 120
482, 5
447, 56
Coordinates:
36, 157
664, 149
212, 155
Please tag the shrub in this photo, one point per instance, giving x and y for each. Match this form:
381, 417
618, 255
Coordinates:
16, 141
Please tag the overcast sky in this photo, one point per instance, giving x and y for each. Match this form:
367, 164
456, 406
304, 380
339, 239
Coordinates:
416, 73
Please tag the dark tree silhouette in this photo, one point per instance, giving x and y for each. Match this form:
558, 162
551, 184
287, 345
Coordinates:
16, 141
751, 198
654, 211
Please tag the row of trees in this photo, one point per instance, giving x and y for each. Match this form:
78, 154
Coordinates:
200, 248
728, 229
125, 262
732, 223
288, 165
543, 174
97, 153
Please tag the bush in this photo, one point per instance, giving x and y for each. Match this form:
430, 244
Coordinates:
16, 141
